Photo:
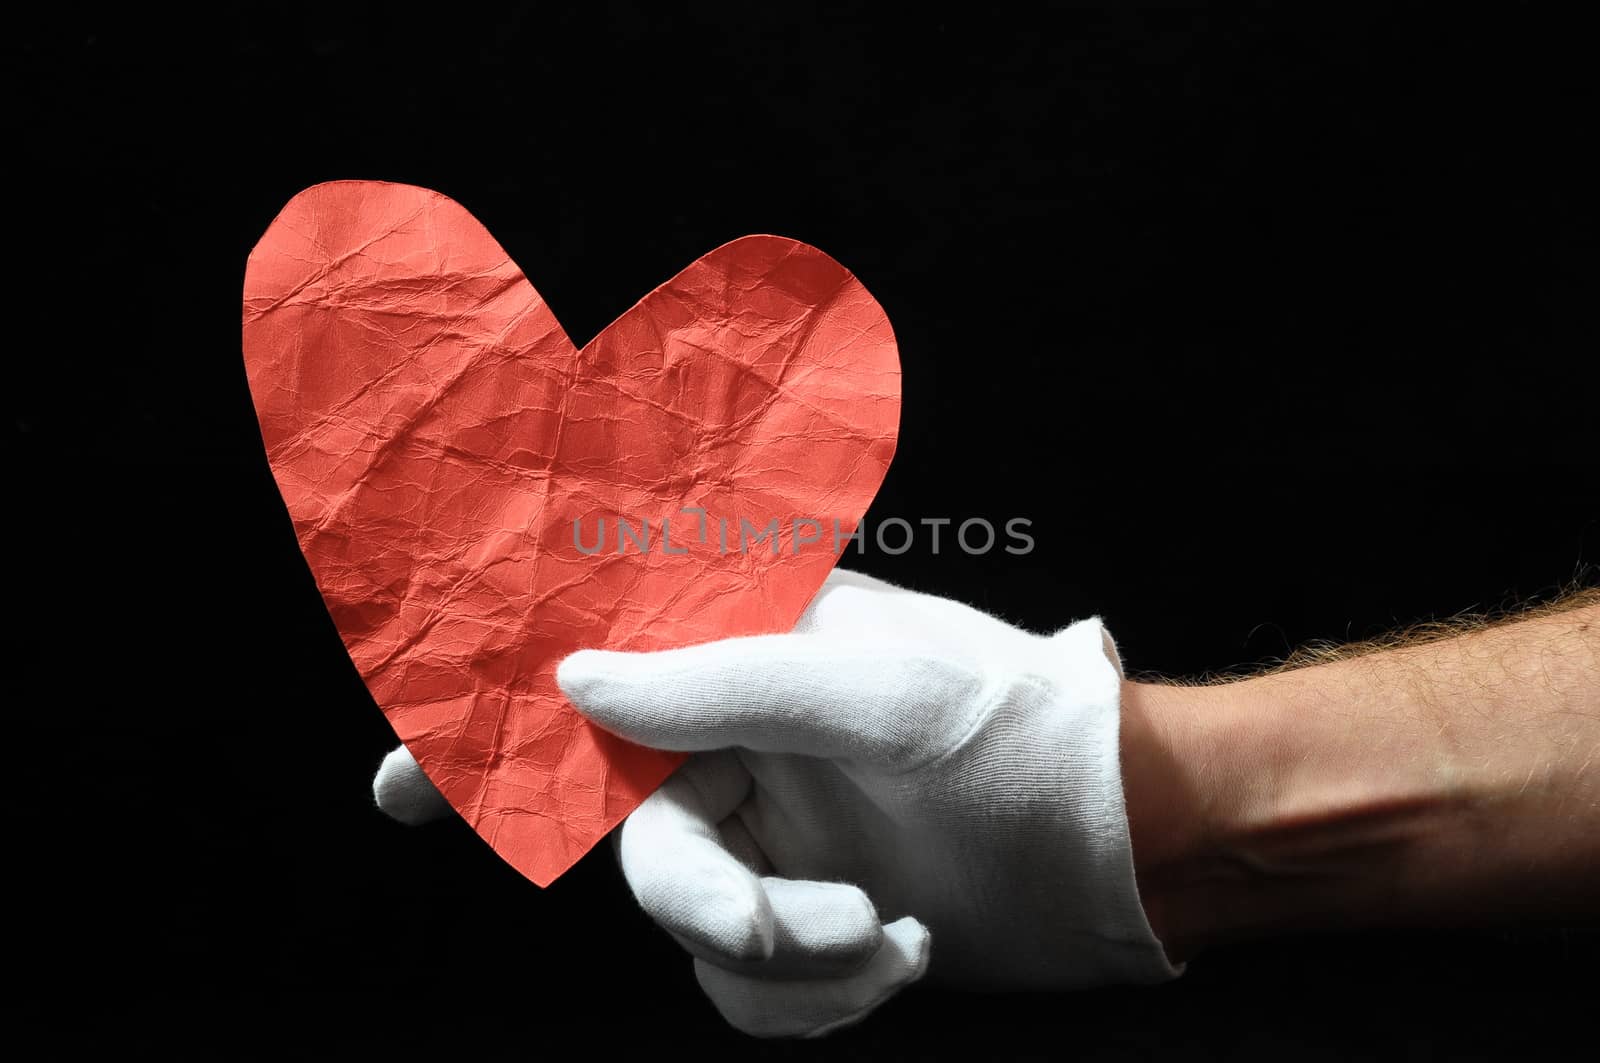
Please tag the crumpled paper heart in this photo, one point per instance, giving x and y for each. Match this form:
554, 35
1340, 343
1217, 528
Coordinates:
436, 436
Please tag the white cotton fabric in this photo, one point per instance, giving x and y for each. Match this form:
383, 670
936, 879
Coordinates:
901, 785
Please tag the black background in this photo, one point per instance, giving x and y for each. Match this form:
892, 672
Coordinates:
1276, 323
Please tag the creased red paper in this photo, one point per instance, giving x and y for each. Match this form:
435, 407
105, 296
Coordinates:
435, 435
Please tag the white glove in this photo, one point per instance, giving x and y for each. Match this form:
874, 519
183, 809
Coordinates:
900, 769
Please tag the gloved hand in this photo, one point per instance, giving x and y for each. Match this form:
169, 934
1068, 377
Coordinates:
900, 771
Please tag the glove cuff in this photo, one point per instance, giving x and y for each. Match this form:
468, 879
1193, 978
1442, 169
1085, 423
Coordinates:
1127, 949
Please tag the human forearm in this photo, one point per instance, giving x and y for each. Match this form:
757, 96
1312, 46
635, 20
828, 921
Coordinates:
1448, 782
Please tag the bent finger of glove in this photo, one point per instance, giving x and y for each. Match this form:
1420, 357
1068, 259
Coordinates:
676, 855
765, 1007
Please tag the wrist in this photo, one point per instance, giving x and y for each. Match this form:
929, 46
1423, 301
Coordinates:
1416, 787
1265, 805
1272, 805
1162, 743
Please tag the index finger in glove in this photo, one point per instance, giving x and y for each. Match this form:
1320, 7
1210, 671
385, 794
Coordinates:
791, 693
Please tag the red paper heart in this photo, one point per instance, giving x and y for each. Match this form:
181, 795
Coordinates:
435, 436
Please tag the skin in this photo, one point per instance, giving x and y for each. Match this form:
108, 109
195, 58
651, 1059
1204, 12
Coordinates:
1450, 782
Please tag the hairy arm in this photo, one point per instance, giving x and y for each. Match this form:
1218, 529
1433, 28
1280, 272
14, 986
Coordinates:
1451, 781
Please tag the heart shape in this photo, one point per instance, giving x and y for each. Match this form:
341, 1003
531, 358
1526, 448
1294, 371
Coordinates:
447, 455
